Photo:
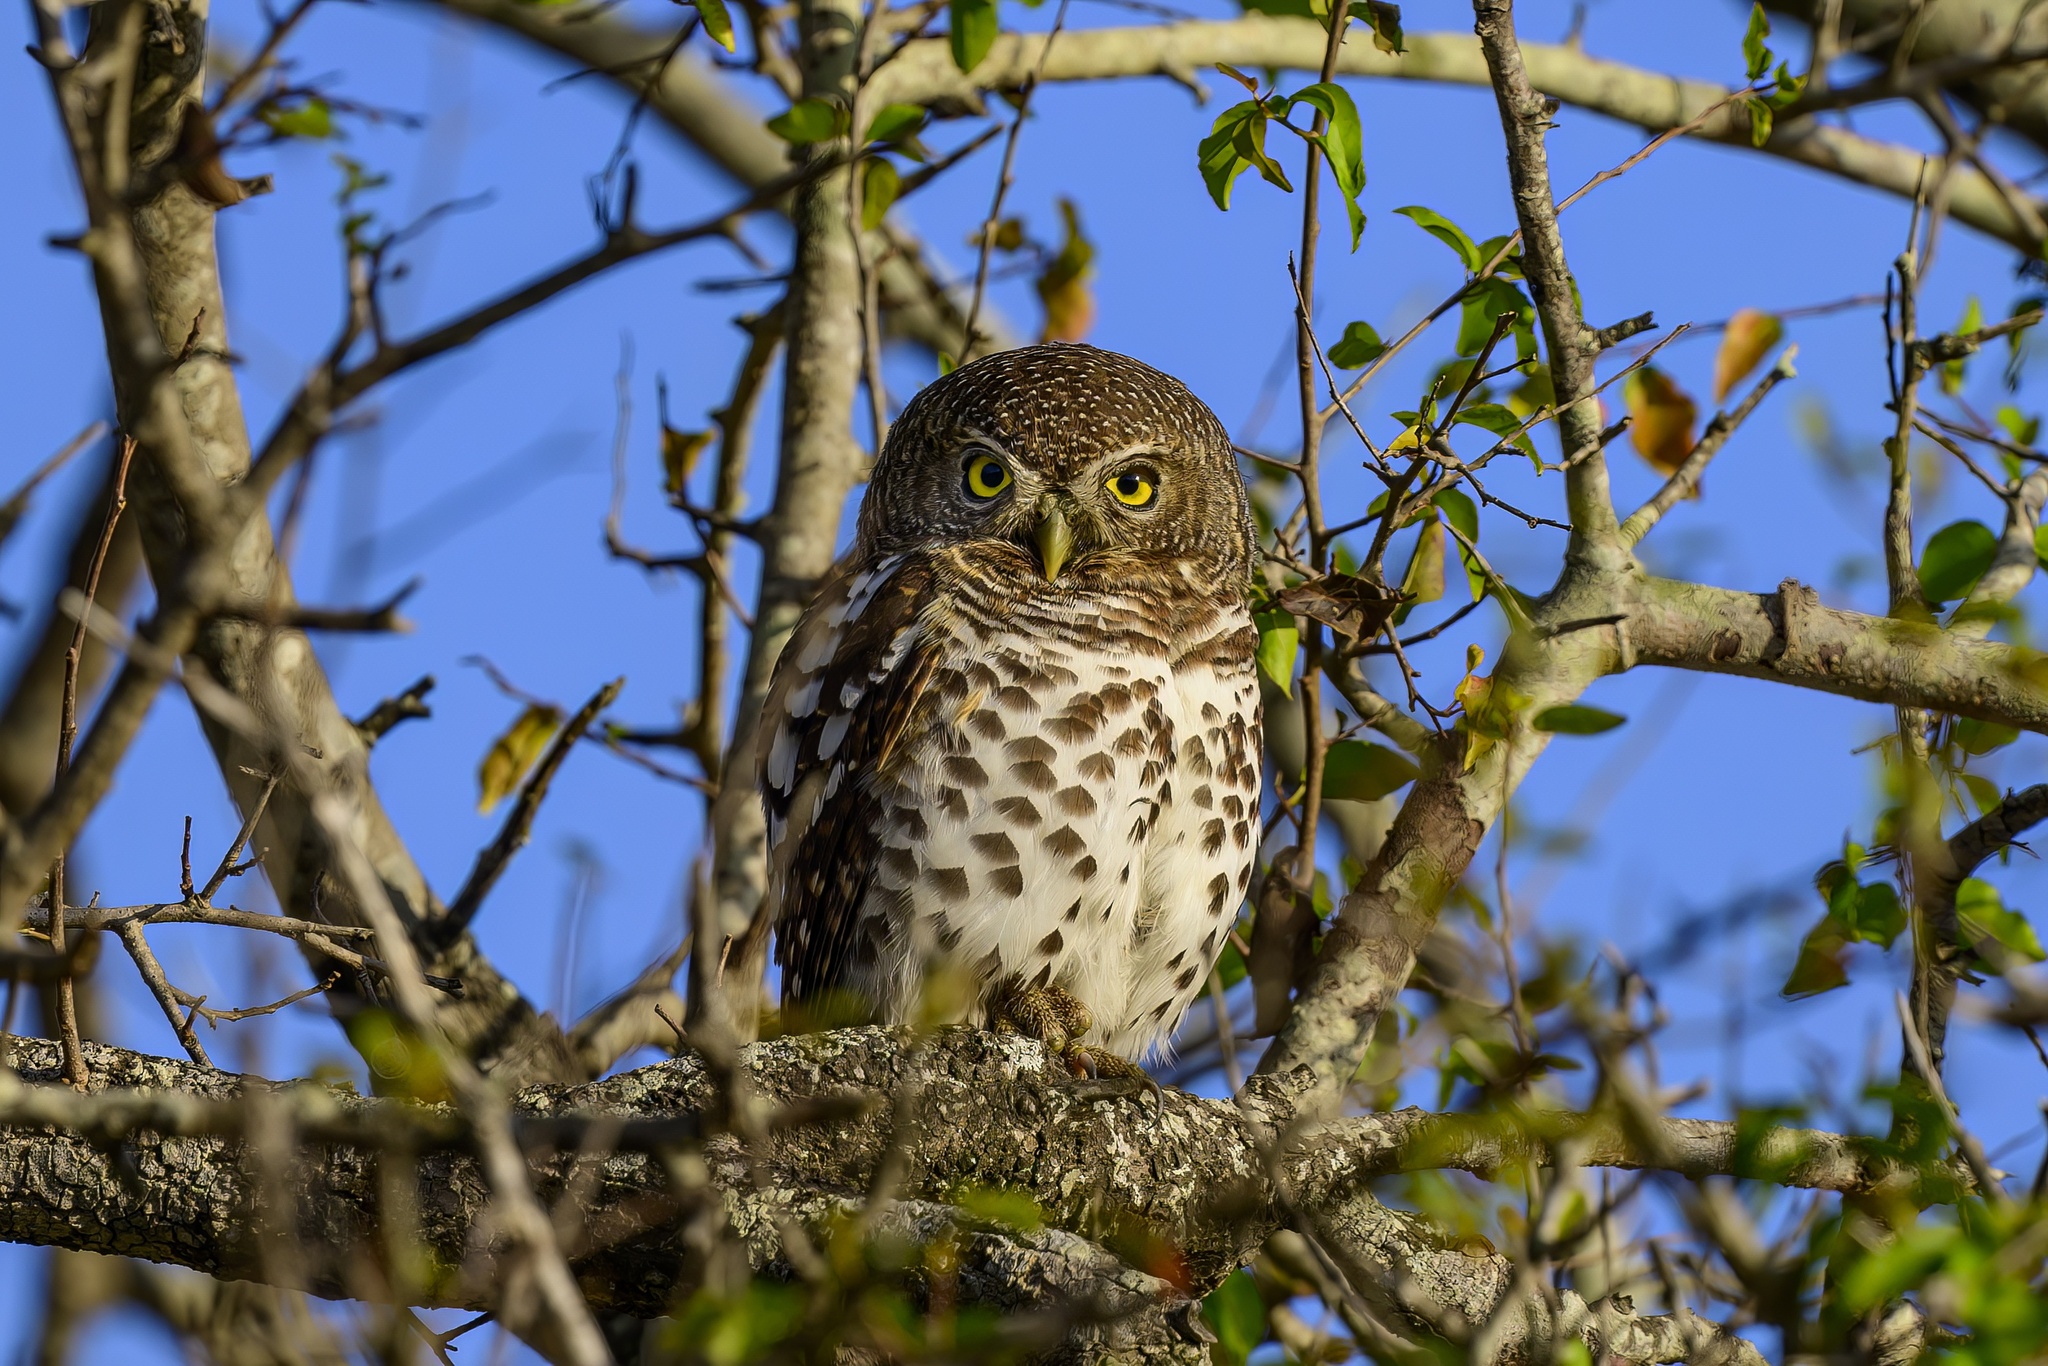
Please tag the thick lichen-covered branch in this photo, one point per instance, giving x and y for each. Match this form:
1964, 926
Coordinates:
153, 1163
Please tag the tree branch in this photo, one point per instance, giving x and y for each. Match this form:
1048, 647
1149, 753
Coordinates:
152, 1164
1570, 345
723, 124
1649, 100
1789, 637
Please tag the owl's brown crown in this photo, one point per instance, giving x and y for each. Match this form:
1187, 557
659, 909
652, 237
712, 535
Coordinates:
1061, 405
1062, 421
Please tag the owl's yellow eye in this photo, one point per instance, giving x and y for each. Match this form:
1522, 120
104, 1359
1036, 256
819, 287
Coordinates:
1133, 488
986, 476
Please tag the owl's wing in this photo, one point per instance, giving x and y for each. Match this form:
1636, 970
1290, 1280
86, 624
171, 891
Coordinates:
843, 693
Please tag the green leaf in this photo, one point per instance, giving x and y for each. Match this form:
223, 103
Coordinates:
1510, 265
1982, 916
1360, 771
1499, 420
1789, 88
1217, 155
1955, 558
879, 186
1981, 737
1756, 57
2021, 428
1237, 1313
1819, 965
973, 31
1251, 86
1485, 301
1423, 581
809, 120
1462, 515
729, 1330
1576, 719
1879, 916
1446, 232
717, 23
1983, 793
1279, 640
895, 121
1760, 120
1248, 140
1342, 143
1459, 512
1359, 347
312, 119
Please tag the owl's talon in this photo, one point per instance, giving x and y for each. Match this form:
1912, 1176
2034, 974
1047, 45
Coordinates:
1049, 1014
1112, 1070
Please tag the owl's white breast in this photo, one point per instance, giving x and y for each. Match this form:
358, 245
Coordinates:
1058, 821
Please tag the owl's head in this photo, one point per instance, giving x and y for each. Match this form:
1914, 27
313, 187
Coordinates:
1087, 461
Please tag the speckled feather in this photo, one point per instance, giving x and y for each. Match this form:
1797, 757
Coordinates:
1046, 782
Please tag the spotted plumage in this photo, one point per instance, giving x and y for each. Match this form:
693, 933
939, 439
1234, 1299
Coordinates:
1017, 734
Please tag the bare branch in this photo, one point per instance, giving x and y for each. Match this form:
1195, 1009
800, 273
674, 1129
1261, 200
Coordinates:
1644, 99
492, 859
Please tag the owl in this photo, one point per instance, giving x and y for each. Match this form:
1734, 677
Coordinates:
1015, 740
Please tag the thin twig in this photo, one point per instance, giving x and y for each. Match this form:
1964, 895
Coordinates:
492, 859
67, 733
1004, 178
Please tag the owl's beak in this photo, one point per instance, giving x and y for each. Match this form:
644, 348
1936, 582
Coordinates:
1054, 538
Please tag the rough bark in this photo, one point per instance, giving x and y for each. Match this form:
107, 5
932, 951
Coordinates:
274, 673
155, 1163
1790, 637
818, 467
1649, 100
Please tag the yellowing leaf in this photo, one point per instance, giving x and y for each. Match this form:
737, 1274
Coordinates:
1408, 440
679, 452
1064, 288
879, 186
1663, 416
514, 752
717, 23
1384, 19
401, 1063
1751, 333
1952, 371
1013, 1209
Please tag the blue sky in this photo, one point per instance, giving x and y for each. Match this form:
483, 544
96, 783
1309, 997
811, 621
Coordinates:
486, 473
